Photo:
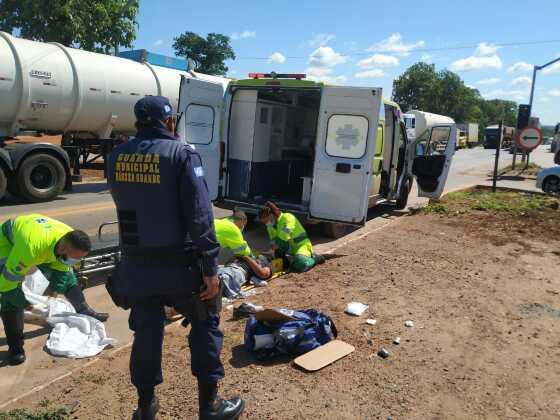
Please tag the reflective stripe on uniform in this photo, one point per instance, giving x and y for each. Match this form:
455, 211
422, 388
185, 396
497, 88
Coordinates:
286, 229
239, 249
301, 237
11, 277
7, 230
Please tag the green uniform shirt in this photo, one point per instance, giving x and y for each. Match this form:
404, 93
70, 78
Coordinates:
290, 236
27, 242
230, 237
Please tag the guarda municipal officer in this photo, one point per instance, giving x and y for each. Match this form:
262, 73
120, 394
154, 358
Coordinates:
169, 251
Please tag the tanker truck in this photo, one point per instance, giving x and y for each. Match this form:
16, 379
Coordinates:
87, 98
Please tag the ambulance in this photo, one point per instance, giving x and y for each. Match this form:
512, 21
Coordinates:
324, 153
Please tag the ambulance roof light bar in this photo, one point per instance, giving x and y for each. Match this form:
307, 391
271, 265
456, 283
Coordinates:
274, 75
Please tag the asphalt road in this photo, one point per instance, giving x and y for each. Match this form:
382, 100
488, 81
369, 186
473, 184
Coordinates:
89, 205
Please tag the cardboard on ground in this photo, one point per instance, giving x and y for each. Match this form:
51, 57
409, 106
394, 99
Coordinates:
274, 316
324, 355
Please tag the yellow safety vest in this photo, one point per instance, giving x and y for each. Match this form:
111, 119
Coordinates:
230, 237
26, 242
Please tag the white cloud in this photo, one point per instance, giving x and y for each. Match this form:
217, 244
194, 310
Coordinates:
324, 75
476, 63
245, 34
427, 58
491, 81
320, 40
520, 67
369, 74
157, 43
326, 57
515, 95
484, 50
555, 68
378, 60
277, 58
555, 92
396, 45
521, 81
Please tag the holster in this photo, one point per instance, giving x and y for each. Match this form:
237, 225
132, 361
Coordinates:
118, 299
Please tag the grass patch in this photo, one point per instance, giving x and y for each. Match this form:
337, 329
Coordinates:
516, 203
520, 169
23, 414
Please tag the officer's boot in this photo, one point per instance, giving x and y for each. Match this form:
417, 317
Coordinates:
148, 411
13, 326
212, 407
76, 297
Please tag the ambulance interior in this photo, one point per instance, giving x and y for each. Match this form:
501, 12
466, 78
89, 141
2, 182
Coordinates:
271, 145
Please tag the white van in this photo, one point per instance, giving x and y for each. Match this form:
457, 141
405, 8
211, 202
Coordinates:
418, 121
324, 153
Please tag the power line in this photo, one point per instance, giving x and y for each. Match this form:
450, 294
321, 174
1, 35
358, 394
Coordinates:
418, 50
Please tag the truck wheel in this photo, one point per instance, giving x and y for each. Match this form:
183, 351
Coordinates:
40, 177
3, 183
336, 230
402, 199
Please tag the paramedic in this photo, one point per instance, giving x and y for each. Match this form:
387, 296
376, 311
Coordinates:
289, 239
38, 241
169, 252
229, 233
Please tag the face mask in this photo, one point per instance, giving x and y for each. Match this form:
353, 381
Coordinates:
68, 260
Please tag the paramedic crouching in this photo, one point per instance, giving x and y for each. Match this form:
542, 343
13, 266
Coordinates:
162, 200
289, 239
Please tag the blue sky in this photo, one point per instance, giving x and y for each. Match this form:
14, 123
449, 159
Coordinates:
369, 43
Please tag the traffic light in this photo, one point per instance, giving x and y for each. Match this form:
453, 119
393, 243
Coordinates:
523, 116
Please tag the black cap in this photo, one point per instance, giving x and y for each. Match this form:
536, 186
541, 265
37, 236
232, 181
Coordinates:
152, 109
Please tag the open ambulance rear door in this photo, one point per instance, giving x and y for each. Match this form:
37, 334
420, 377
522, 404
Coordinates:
431, 156
346, 136
200, 107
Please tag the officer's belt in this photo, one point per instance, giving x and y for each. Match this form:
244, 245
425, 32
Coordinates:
7, 230
164, 254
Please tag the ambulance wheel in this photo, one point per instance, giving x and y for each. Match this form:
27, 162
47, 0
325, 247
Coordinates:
336, 230
3, 183
402, 200
41, 177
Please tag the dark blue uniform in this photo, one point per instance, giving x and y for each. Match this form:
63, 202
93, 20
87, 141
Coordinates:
161, 196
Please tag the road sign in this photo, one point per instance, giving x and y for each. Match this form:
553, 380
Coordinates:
529, 138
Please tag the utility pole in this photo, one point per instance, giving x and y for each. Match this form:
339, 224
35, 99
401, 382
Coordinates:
535, 69
497, 156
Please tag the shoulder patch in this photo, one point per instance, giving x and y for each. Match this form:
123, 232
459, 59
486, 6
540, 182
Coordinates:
198, 171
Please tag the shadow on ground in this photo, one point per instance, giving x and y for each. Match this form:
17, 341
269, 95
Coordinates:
241, 358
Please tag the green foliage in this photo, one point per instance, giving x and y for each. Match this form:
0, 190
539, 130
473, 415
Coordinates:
436, 207
209, 54
21, 414
93, 25
422, 87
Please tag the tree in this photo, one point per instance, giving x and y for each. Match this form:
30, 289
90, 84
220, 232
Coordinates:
422, 87
209, 54
93, 25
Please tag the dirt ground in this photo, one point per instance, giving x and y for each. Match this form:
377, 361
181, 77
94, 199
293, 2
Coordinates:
481, 287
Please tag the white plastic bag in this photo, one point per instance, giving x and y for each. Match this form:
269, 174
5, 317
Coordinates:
356, 308
77, 336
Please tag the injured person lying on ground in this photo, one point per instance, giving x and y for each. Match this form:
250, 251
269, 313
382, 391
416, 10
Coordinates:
244, 269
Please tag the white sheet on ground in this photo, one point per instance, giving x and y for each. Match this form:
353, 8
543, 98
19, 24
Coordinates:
73, 335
